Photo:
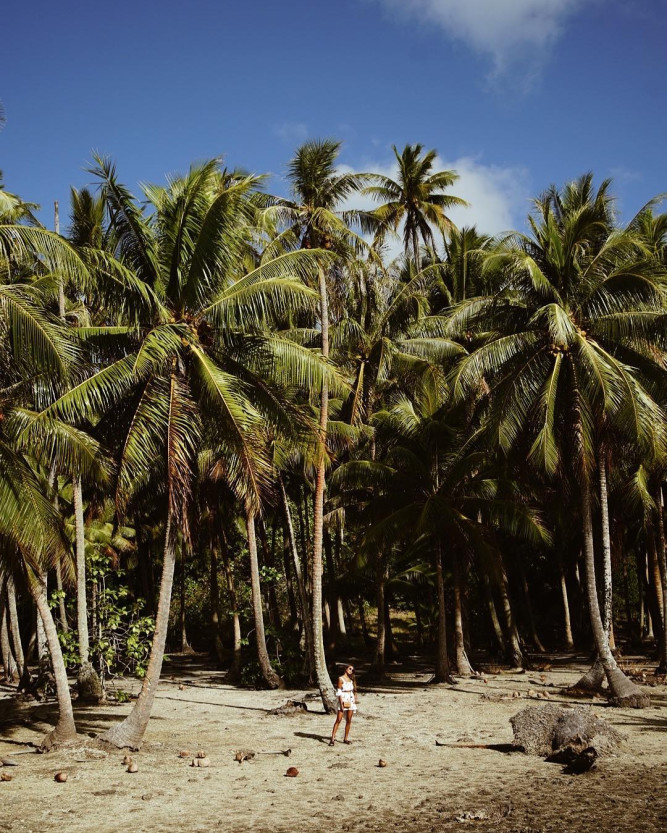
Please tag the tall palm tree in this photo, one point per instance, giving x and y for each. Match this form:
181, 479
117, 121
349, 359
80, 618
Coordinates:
313, 218
573, 301
204, 366
416, 199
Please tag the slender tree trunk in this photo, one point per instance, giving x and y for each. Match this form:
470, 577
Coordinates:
296, 622
567, 622
463, 667
130, 732
537, 642
301, 584
8, 660
332, 595
442, 673
214, 598
14, 630
319, 658
185, 644
382, 574
80, 552
42, 643
234, 672
269, 561
88, 681
662, 564
624, 692
491, 606
65, 730
607, 599
270, 676
515, 655
391, 648
362, 621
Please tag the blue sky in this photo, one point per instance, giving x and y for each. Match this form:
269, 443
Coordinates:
514, 94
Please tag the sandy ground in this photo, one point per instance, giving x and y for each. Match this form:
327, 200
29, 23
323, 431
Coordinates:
424, 787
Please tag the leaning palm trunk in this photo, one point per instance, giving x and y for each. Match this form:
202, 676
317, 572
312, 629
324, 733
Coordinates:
130, 732
319, 659
624, 692
270, 676
65, 729
14, 630
8, 661
567, 622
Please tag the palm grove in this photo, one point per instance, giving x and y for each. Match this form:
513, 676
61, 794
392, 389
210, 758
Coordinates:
246, 396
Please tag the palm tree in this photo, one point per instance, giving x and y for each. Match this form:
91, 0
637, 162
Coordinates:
313, 219
203, 368
573, 301
415, 199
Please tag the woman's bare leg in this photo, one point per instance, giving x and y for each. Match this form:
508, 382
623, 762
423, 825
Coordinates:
339, 717
348, 723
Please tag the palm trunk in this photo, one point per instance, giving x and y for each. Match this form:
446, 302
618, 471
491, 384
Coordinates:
270, 676
491, 606
14, 630
42, 642
662, 564
515, 655
234, 672
567, 623
442, 673
382, 573
80, 551
537, 642
301, 584
624, 692
88, 681
214, 600
185, 645
65, 730
8, 661
130, 732
319, 658
463, 667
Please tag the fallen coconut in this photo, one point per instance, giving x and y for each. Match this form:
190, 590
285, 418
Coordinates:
132, 766
185, 753
382, 762
201, 755
5, 776
201, 762
127, 760
292, 772
60, 777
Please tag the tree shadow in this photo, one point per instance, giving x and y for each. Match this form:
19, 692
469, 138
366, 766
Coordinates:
312, 736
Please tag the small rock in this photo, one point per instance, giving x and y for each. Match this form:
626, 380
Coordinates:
127, 760
181, 687
201, 755
382, 762
201, 762
132, 767
5, 776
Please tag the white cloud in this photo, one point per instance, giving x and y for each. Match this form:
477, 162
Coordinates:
498, 196
291, 132
505, 30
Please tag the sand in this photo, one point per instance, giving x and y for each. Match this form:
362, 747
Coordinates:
424, 787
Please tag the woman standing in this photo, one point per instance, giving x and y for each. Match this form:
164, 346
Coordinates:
347, 703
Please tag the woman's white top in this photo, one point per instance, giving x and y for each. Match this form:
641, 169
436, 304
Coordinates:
345, 696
